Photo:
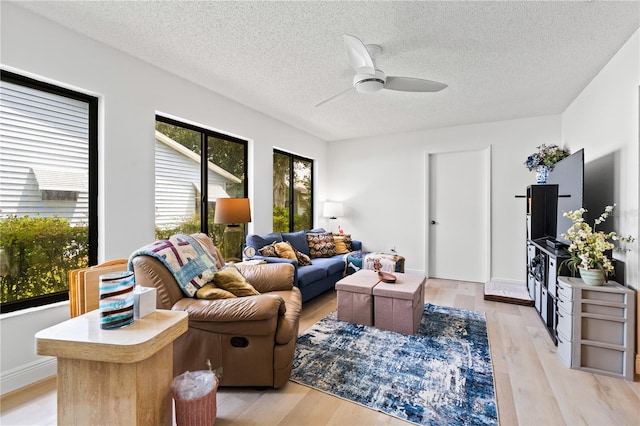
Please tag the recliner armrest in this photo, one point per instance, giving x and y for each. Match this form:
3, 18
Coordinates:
289, 322
251, 308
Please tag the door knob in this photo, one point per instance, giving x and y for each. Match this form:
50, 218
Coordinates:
433, 222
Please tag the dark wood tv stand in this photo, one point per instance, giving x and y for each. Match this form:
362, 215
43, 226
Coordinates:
544, 260
544, 265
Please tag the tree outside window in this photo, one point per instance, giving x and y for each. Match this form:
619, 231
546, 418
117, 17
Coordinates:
292, 192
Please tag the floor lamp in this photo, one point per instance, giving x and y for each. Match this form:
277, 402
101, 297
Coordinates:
232, 212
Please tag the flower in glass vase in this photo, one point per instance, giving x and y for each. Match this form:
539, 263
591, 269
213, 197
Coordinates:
588, 248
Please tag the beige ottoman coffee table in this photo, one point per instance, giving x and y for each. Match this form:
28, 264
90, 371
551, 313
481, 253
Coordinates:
355, 297
399, 306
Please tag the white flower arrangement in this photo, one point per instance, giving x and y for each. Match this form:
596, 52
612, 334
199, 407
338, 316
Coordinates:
588, 246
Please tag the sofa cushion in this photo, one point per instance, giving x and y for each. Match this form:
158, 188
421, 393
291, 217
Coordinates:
285, 250
211, 292
259, 241
310, 274
298, 240
321, 245
342, 243
230, 279
330, 264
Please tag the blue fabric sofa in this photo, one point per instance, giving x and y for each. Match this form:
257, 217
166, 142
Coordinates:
314, 279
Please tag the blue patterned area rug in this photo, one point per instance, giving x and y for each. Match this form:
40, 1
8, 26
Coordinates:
441, 376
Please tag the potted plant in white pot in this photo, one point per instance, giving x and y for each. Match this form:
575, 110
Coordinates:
589, 248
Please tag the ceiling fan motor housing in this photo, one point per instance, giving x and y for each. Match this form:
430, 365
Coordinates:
367, 83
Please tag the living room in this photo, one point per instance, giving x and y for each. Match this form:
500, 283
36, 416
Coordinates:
372, 175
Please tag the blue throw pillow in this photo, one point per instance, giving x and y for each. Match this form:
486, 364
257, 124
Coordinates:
258, 241
298, 240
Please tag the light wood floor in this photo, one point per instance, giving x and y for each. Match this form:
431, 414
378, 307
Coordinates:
532, 386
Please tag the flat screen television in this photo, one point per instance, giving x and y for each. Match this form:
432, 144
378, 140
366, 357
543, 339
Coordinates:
599, 189
568, 174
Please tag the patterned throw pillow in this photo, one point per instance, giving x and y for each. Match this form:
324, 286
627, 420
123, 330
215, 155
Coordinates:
303, 259
321, 245
342, 243
285, 250
269, 250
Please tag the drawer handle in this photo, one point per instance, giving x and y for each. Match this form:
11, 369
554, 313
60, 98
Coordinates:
560, 315
559, 339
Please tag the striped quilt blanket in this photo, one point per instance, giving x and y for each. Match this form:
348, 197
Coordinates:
191, 265
376, 261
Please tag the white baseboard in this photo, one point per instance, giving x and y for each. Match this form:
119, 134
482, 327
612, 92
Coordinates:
27, 374
506, 281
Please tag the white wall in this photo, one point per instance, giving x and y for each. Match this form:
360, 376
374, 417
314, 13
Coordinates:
604, 119
20, 366
384, 192
131, 92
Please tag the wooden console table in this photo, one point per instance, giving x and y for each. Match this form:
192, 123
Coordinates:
116, 377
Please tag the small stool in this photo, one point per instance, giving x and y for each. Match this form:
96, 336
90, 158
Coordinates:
355, 300
399, 306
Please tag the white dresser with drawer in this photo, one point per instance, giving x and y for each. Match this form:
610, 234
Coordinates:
595, 328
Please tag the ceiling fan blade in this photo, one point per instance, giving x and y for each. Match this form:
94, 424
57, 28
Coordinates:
359, 57
334, 97
408, 84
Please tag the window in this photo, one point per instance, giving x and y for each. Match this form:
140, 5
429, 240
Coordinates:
48, 195
187, 187
48, 189
292, 192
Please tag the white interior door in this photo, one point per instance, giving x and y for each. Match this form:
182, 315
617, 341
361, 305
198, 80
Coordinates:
458, 221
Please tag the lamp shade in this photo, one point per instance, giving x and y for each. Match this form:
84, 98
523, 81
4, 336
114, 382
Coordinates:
232, 211
332, 210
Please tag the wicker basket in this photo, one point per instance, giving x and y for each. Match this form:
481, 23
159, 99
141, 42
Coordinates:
196, 412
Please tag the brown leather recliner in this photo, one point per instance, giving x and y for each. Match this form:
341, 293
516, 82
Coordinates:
252, 338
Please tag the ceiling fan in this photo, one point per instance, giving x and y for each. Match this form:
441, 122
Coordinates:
368, 79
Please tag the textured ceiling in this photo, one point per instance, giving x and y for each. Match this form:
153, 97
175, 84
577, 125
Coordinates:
501, 60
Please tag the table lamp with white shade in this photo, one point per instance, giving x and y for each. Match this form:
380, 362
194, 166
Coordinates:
333, 211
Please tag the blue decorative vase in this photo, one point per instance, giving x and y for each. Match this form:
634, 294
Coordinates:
116, 299
542, 173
